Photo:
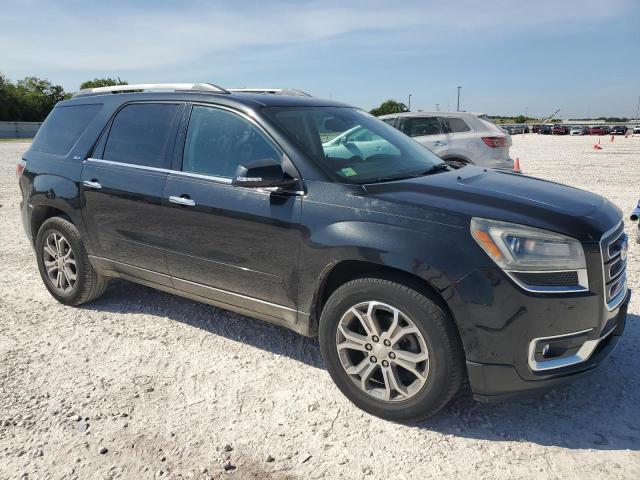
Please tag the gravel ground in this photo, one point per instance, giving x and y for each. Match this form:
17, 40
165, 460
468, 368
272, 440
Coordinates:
143, 384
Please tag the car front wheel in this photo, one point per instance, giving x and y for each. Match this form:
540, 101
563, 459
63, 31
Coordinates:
390, 349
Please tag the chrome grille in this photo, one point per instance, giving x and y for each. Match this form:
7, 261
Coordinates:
614, 246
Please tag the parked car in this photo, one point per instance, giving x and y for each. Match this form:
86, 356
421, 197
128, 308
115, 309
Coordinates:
619, 130
560, 130
459, 138
316, 216
597, 130
535, 128
636, 129
546, 130
579, 130
517, 130
506, 129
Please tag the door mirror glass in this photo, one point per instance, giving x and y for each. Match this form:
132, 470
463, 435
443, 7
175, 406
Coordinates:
262, 174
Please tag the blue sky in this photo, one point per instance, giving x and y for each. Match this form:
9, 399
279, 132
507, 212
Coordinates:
581, 56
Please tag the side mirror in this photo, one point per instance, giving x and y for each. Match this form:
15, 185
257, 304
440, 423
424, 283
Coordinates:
267, 173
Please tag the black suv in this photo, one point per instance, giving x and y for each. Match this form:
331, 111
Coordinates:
316, 216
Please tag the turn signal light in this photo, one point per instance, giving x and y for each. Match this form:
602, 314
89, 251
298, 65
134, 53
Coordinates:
489, 246
19, 169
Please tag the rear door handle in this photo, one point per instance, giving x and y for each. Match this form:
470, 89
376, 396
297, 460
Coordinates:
186, 201
92, 184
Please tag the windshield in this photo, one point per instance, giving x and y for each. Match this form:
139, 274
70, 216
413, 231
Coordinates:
353, 146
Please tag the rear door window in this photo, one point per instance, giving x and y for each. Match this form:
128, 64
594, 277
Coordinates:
140, 134
421, 126
62, 128
454, 125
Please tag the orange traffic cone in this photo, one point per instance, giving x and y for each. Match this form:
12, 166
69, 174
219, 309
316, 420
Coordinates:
597, 145
516, 166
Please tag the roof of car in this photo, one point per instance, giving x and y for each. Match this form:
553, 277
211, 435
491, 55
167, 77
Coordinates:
242, 98
431, 114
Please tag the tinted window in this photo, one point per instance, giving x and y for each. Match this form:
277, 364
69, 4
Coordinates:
140, 134
454, 125
353, 146
63, 127
390, 121
218, 141
419, 126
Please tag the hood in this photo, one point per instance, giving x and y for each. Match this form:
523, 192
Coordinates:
473, 191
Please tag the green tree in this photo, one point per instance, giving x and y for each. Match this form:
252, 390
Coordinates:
102, 82
28, 100
520, 119
390, 106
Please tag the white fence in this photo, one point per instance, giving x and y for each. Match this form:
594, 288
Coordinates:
19, 129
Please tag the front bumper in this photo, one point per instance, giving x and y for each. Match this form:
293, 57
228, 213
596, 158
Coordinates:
499, 323
498, 383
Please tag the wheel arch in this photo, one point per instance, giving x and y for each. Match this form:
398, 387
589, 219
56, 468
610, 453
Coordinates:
346, 270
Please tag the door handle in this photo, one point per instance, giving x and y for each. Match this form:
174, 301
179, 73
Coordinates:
439, 144
92, 184
186, 201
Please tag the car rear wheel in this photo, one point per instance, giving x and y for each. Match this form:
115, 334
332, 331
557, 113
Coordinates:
390, 349
64, 264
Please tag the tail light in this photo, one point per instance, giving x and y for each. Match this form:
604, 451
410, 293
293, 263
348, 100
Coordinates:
495, 142
20, 168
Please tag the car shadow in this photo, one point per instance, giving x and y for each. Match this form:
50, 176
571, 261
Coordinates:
598, 411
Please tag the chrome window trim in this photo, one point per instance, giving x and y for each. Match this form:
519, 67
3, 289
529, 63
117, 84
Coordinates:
583, 281
220, 180
130, 165
582, 355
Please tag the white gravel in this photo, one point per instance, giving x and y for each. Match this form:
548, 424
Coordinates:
175, 389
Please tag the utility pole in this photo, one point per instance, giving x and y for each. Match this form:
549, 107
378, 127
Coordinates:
458, 109
437, 107
638, 109
409, 106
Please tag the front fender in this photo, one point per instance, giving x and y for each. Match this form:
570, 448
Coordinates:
440, 256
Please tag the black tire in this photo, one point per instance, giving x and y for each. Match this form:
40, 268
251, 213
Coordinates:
89, 285
446, 363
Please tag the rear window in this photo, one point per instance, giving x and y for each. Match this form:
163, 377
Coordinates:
62, 128
140, 133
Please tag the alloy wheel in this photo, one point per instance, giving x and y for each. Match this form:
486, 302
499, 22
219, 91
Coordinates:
382, 350
59, 262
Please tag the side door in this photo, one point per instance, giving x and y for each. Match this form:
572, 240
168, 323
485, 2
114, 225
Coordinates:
235, 245
428, 131
123, 184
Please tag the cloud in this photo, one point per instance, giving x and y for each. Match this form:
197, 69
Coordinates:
119, 36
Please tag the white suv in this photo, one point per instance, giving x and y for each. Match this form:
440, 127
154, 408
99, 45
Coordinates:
459, 138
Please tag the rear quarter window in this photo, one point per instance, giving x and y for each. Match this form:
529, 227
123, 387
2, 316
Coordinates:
62, 128
455, 125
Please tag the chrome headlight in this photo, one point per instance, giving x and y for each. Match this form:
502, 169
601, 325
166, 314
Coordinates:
528, 250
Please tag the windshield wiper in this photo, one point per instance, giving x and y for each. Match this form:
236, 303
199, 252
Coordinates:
436, 168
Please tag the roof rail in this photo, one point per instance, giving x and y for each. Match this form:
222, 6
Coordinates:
273, 91
175, 87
